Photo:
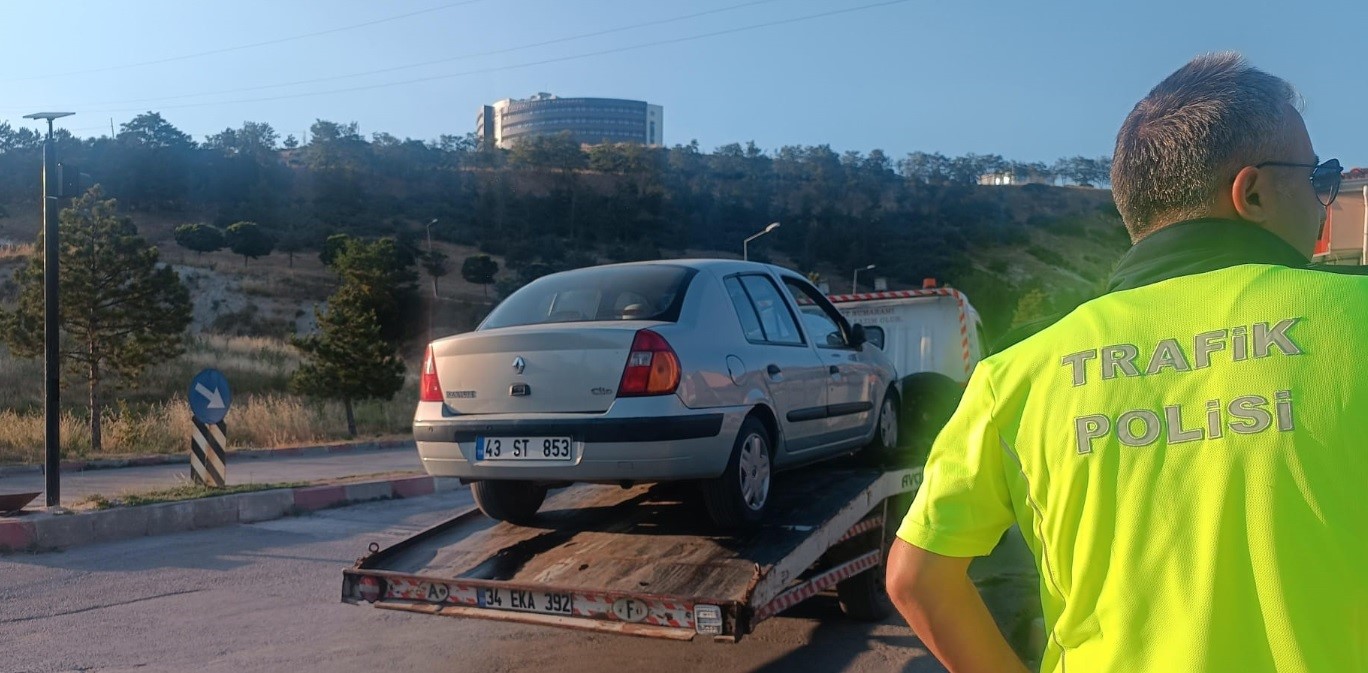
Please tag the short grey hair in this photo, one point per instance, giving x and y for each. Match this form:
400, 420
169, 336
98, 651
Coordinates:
1189, 136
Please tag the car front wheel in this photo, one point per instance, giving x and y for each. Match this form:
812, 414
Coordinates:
738, 498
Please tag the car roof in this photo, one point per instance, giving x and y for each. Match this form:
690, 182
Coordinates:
715, 265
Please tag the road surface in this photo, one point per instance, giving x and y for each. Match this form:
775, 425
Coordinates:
265, 598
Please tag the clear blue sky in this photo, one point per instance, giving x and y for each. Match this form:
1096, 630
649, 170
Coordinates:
1030, 81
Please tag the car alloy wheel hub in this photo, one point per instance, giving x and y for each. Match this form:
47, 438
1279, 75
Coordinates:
755, 472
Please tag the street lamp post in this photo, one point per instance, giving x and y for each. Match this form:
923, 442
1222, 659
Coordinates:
429, 237
745, 252
855, 279
52, 363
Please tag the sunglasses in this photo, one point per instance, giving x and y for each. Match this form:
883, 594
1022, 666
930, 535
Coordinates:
1325, 177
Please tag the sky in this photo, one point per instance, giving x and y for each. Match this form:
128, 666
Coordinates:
1031, 81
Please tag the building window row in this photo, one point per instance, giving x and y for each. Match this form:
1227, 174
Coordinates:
573, 108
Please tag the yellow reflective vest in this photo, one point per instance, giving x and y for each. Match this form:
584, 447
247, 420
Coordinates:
1188, 462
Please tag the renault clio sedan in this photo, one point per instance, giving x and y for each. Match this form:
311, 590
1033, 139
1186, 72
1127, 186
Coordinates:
717, 371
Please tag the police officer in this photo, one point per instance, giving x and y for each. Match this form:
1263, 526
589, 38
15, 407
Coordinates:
1185, 455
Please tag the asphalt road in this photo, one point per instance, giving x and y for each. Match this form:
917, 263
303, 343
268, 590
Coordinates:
265, 597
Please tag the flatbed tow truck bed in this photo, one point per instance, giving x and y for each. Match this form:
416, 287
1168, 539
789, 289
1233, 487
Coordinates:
644, 561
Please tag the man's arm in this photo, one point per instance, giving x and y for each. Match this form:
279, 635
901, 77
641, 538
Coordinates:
943, 607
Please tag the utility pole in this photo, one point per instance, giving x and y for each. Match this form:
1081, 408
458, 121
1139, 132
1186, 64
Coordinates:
52, 364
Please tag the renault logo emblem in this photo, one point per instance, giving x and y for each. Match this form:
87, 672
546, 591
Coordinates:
519, 364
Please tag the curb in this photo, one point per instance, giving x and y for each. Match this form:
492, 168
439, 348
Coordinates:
178, 458
47, 532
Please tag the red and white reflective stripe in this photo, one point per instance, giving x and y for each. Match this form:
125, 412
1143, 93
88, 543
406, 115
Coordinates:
893, 294
861, 528
964, 334
818, 584
588, 605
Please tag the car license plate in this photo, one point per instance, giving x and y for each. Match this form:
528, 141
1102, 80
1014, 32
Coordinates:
546, 603
522, 448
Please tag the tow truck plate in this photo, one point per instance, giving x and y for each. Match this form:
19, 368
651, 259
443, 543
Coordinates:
541, 602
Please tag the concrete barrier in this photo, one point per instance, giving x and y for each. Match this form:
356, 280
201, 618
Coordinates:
44, 531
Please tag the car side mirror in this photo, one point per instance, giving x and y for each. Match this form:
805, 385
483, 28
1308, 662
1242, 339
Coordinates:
875, 335
857, 335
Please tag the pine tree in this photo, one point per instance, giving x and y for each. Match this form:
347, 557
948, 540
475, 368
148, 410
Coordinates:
121, 309
348, 359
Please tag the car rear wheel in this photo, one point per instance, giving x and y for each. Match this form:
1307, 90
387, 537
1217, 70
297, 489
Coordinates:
738, 498
512, 501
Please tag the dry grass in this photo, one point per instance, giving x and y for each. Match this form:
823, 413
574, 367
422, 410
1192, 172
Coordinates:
151, 414
9, 251
255, 421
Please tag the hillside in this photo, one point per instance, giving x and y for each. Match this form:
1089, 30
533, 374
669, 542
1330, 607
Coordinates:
1067, 239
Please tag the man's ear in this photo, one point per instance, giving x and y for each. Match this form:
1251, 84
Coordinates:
1249, 195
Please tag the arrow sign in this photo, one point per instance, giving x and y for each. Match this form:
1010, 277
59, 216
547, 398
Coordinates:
215, 399
210, 396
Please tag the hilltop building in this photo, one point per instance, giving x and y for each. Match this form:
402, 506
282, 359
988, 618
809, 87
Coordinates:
591, 121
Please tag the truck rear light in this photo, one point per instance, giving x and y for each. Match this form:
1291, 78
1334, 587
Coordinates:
370, 588
652, 367
428, 385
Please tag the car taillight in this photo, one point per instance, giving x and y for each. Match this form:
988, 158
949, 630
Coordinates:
430, 387
652, 367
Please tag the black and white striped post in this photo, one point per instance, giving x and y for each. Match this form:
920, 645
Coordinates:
206, 453
209, 400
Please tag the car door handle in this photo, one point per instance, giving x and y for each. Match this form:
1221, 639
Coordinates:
834, 369
773, 370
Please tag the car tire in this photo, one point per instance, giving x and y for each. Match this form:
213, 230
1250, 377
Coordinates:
516, 502
885, 446
738, 498
927, 404
864, 597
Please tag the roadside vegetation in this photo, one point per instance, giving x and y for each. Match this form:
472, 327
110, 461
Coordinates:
187, 491
298, 257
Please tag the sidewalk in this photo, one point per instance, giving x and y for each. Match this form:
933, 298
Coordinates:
336, 475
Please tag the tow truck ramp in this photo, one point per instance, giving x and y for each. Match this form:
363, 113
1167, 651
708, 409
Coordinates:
645, 560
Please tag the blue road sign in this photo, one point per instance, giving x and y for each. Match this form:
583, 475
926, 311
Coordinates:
210, 396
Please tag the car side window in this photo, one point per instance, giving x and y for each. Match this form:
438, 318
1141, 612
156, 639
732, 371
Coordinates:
750, 322
776, 320
823, 324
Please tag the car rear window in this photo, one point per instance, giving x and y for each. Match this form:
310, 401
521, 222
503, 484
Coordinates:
597, 294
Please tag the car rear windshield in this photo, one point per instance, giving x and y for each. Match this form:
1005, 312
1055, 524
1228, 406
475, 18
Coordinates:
597, 294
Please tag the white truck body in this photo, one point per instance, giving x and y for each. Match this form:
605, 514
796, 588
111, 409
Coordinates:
934, 330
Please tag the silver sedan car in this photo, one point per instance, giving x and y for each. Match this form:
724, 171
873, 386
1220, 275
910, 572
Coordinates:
711, 370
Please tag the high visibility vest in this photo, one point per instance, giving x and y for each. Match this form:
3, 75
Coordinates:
1188, 462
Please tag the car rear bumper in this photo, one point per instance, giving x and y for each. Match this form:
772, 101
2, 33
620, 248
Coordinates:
604, 448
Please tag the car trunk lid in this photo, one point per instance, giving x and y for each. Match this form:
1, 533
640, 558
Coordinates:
533, 369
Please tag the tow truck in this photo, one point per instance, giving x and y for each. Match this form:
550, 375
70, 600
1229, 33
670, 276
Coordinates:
642, 561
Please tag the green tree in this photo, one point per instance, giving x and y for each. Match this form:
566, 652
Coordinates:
291, 242
249, 240
1032, 306
332, 247
348, 359
435, 263
383, 277
201, 238
480, 269
121, 309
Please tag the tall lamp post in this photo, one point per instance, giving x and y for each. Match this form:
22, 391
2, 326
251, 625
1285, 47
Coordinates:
745, 252
855, 279
52, 393
429, 237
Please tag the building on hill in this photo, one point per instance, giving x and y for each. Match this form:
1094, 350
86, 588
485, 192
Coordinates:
1345, 237
1010, 178
592, 121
